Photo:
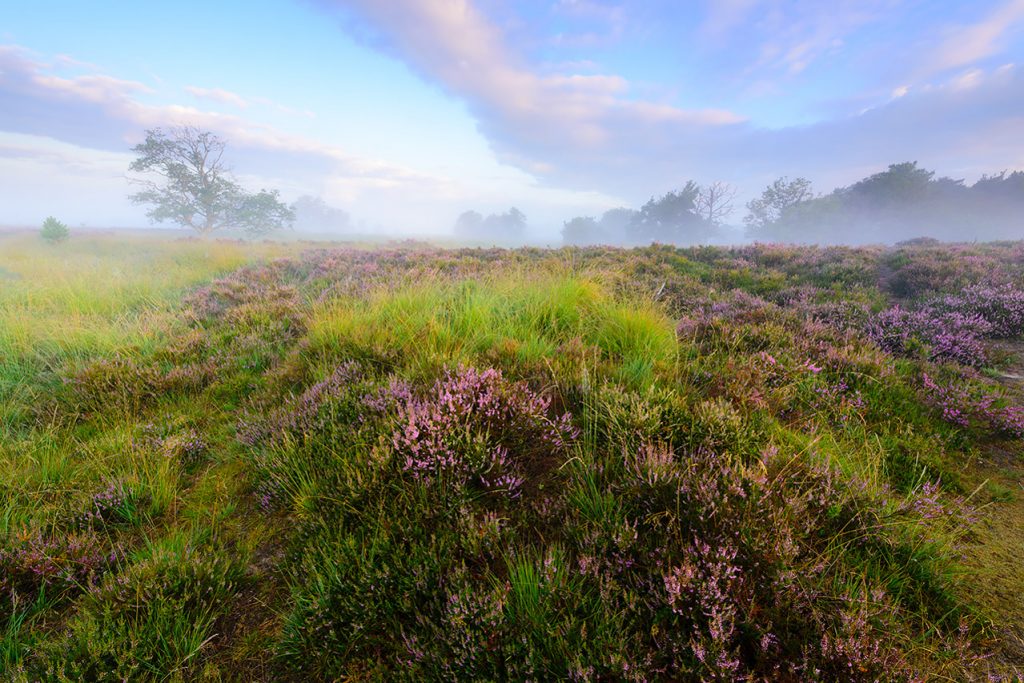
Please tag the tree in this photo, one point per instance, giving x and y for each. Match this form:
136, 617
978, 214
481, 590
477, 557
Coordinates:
899, 185
1001, 185
776, 201
996, 202
53, 230
195, 188
671, 219
615, 223
902, 202
715, 202
906, 201
262, 212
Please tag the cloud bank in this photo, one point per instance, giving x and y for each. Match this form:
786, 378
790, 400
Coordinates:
589, 130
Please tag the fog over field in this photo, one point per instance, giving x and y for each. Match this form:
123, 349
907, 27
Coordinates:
401, 117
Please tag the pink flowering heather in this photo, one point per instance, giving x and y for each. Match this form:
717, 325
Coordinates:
188, 446
854, 648
953, 326
476, 426
1000, 306
387, 398
115, 503
947, 335
57, 565
839, 400
963, 405
702, 590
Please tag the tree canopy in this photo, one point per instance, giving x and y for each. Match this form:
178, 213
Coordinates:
672, 218
777, 200
611, 228
54, 231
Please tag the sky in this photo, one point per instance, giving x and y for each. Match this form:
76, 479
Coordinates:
407, 112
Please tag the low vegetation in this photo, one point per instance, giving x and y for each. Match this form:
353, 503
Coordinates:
257, 462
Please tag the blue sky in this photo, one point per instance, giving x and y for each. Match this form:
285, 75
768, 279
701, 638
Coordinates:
407, 112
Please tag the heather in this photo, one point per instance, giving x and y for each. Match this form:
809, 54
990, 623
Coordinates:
952, 327
402, 462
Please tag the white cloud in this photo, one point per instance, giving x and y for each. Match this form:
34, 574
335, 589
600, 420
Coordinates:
967, 45
222, 96
587, 132
780, 39
525, 115
725, 15
102, 112
608, 21
793, 36
218, 95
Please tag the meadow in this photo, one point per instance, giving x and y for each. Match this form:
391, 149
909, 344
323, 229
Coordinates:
227, 461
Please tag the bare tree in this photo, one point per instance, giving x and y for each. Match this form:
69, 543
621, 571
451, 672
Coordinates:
715, 202
195, 188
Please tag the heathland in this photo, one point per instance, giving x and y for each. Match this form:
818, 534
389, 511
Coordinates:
264, 461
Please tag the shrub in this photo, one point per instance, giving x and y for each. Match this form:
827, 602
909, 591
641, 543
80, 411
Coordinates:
54, 231
115, 504
150, 623
965, 403
60, 565
476, 426
1000, 306
934, 334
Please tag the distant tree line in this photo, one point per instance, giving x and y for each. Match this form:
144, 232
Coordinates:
694, 213
902, 202
508, 227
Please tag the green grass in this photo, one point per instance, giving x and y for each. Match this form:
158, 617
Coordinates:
525, 319
425, 464
94, 296
98, 294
